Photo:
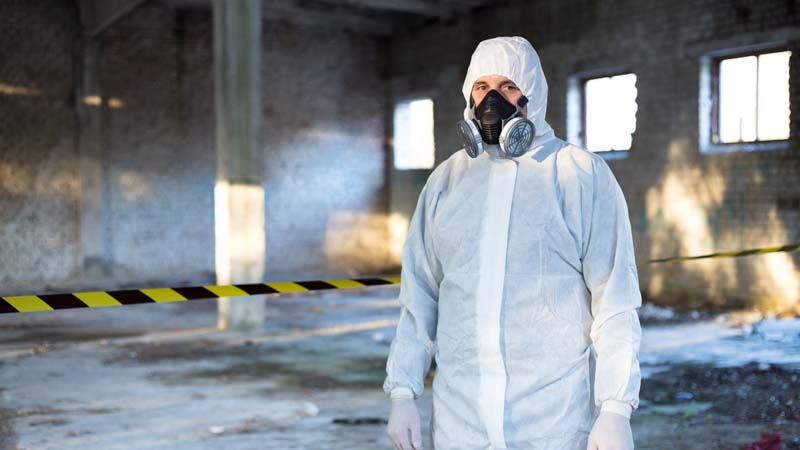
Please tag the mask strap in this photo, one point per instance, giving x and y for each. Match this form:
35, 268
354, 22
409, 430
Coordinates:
520, 104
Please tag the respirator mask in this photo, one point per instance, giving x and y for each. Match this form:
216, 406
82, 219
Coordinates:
497, 121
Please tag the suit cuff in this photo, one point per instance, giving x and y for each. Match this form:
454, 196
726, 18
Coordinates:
402, 392
615, 406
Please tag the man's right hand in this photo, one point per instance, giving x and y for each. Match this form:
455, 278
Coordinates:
404, 428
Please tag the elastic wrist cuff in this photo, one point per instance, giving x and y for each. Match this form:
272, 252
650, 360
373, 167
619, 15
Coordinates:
617, 407
402, 392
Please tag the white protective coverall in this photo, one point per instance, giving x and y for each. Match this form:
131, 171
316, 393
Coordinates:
511, 270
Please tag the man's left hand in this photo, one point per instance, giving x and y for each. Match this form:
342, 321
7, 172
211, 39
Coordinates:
611, 431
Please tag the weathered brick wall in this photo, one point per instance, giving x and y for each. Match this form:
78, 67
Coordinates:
324, 120
323, 144
39, 192
324, 139
681, 202
160, 144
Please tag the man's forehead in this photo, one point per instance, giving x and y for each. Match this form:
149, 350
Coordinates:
500, 79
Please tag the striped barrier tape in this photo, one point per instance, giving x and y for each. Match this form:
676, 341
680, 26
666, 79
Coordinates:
752, 251
99, 299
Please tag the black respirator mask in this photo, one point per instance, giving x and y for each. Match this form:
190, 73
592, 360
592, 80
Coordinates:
497, 121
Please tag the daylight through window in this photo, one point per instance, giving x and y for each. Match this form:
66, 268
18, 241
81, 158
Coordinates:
610, 112
413, 134
754, 98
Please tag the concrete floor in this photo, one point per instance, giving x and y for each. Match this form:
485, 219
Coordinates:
162, 377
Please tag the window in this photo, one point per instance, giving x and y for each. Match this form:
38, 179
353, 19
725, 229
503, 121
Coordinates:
601, 112
610, 112
752, 98
413, 134
744, 101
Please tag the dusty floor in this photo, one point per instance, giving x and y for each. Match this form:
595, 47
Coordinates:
162, 377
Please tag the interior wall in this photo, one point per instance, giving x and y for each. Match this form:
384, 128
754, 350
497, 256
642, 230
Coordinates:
325, 123
681, 202
39, 188
323, 150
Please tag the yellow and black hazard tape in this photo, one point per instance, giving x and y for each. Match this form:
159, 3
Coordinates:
752, 251
99, 299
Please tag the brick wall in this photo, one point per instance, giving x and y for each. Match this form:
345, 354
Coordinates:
39, 192
324, 121
681, 202
323, 144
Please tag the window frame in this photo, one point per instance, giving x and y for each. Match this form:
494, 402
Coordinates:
577, 102
709, 100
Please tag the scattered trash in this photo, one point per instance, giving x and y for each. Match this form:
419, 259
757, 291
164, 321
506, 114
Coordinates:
768, 441
745, 395
360, 421
216, 430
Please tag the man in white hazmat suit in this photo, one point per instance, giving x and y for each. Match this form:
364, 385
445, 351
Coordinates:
514, 269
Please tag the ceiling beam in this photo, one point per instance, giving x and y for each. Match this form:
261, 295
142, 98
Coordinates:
96, 15
428, 8
466, 5
335, 14
331, 15
372, 17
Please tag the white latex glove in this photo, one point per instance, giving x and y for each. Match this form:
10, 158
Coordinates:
404, 428
611, 431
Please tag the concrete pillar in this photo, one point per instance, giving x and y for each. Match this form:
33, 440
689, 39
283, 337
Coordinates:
95, 211
239, 192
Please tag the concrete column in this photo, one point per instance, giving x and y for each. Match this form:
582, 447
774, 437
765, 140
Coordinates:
95, 212
239, 192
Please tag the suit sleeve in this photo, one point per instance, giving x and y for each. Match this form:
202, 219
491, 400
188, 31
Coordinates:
411, 349
609, 270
